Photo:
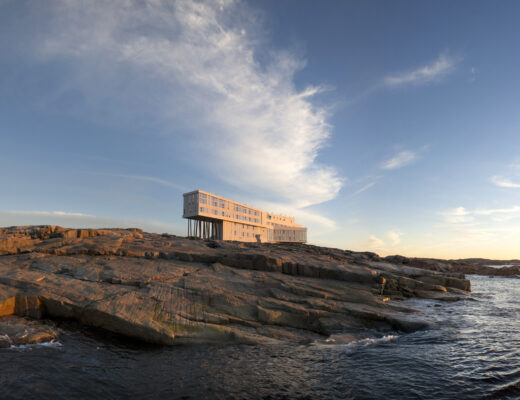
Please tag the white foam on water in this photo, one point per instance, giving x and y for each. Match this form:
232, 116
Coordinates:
51, 344
338, 341
369, 341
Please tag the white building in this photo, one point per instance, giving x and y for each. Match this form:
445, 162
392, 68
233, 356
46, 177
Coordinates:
214, 217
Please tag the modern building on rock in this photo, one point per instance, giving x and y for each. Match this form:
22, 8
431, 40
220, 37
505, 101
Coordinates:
214, 217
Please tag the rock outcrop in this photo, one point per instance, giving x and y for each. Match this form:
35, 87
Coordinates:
476, 266
167, 289
17, 331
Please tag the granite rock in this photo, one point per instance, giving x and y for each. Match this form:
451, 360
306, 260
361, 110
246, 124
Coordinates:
169, 290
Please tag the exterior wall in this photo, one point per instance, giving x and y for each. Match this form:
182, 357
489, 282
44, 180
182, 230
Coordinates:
244, 232
241, 222
289, 234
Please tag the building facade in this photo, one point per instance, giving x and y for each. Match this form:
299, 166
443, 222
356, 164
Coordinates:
214, 217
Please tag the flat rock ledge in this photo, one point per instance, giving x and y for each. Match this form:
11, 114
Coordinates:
169, 290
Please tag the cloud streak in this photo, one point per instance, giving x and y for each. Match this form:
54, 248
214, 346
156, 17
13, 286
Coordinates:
457, 215
463, 216
505, 183
395, 237
437, 69
151, 179
515, 210
401, 159
49, 214
255, 129
364, 188
80, 220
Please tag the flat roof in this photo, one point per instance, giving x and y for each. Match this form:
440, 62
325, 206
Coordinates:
236, 202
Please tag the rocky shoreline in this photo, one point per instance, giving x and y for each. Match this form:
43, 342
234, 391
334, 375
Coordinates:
169, 290
475, 266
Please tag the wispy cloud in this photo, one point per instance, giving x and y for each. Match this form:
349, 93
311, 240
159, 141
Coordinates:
316, 223
395, 237
463, 216
375, 243
49, 213
401, 159
440, 67
459, 215
473, 74
515, 210
151, 179
254, 129
80, 220
505, 182
364, 188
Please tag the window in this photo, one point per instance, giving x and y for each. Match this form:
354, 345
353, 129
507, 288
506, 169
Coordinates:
202, 209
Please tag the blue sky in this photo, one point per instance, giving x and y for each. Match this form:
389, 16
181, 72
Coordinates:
385, 126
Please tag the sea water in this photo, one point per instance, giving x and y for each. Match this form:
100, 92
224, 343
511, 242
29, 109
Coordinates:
472, 351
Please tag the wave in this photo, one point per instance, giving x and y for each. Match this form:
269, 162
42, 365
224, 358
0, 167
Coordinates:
347, 341
30, 346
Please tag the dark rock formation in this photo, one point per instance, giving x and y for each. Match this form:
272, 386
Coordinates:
16, 331
167, 289
476, 266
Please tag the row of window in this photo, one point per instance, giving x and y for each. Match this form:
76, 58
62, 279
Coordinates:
215, 202
224, 214
247, 227
215, 212
245, 234
244, 218
205, 199
246, 210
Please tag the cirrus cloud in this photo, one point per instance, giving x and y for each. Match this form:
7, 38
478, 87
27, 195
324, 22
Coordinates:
505, 183
401, 159
255, 129
438, 68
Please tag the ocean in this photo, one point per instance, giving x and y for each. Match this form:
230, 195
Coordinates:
471, 351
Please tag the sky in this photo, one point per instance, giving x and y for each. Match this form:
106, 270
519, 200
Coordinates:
391, 127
